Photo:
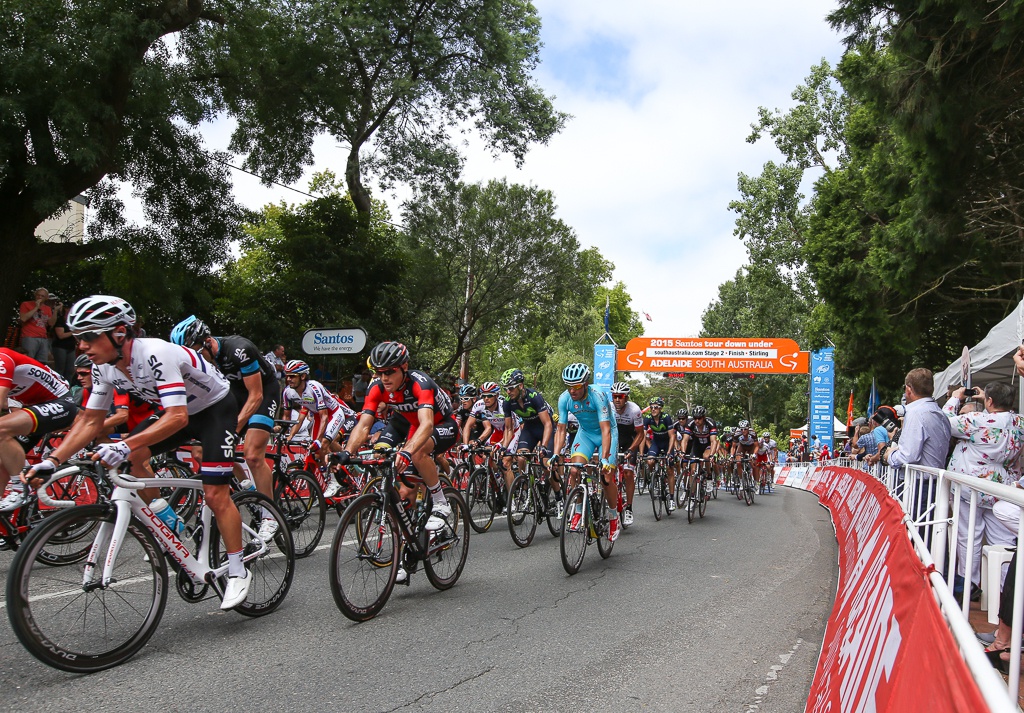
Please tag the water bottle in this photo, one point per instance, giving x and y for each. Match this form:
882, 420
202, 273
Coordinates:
247, 484
163, 510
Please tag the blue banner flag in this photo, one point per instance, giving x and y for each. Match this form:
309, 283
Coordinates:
604, 366
873, 401
821, 419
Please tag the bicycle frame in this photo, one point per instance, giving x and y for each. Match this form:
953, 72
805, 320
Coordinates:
126, 501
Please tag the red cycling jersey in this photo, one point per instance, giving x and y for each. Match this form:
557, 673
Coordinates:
418, 391
29, 381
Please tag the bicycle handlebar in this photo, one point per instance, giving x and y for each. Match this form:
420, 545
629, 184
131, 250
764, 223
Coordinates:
59, 473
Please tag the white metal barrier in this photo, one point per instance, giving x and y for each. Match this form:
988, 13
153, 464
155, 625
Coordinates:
931, 500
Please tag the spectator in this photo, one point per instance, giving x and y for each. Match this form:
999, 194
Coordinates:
987, 447
275, 357
885, 423
35, 317
926, 429
360, 382
63, 343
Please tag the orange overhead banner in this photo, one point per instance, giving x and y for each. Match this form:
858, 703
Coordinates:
713, 356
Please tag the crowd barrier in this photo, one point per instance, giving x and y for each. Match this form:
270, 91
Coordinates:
896, 639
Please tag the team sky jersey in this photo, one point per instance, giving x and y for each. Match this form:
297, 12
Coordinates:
660, 428
527, 410
238, 358
496, 417
163, 374
418, 391
590, 412
29, 381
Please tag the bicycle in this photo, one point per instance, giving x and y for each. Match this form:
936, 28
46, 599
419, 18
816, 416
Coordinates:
82, 487
531, 498
485, 494
587, 517
659, 487
377, 534
70, 625
746, 481
696, 490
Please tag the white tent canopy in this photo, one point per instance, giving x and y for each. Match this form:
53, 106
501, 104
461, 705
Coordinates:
837, 427
991, 358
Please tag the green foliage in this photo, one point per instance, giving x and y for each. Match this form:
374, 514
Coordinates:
401, 77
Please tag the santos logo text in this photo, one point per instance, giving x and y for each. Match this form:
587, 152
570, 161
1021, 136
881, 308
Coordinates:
333, 338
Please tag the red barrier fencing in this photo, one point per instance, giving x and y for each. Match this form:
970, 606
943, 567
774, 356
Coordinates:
887, 646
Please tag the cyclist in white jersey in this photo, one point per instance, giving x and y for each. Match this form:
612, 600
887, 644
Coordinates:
293, 406
629, 421
490, 411
196, 403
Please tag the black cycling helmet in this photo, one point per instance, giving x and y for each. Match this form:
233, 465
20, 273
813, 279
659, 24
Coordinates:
387, 355
681, 414
699, 412
83, 362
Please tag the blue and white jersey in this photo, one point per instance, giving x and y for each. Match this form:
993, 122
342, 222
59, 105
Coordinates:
591, 411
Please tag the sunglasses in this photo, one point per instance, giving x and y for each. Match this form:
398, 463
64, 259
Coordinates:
84, 373
385, 372
618, 396
88, 336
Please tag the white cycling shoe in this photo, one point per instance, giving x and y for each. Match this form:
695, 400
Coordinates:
332, 489
236, 590
438, 517
268, 528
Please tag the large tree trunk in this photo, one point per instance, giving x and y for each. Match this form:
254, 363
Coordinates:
360, 196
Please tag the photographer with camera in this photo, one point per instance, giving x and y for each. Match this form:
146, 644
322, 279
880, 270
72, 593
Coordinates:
926, 431
36, 316
884, 423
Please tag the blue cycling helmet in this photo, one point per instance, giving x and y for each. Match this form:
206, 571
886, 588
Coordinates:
296, 366
576, 374
468, 391
189, 332
489, 388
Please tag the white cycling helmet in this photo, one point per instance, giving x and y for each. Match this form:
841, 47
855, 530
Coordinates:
99, 313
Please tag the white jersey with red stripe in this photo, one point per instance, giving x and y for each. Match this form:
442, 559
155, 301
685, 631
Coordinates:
315, 398
29, 381
163, 374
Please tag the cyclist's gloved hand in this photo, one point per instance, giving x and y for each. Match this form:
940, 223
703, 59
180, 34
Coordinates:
402, 461
545, 451
41, 470
314, 447
553, 460
113, 454
343, 458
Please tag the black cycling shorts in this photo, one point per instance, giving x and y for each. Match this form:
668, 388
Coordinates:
214, 428
531, 434
444, 435
47, 417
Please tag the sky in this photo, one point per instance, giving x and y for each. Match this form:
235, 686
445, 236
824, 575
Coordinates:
662, 95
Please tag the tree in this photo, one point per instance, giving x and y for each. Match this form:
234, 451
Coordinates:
92, 90
399, 76
491, 261
314, 265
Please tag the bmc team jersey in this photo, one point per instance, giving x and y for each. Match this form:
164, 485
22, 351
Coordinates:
29, 381
163, 374
418, 391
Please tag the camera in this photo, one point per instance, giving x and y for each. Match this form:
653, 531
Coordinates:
970, 393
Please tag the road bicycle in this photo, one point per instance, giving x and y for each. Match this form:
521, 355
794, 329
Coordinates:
746, 486
84, 487
378, 533
696, 494
660, 495
485, 494
99, 613
531, 498
587, 517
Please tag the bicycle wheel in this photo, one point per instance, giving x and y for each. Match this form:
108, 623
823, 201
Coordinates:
364, 558
460, 476
522, 511
479, 500
714, 487
748, 487
84, 629
184, 501
702, 496
449, 547
573, 542
548, 503
604, 543
658, 493
302, 503
691, 496
271, 572
642, 477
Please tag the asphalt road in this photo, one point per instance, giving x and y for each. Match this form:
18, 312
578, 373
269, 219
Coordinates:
725, 614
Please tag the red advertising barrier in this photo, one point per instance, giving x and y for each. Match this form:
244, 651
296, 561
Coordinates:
887, 646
